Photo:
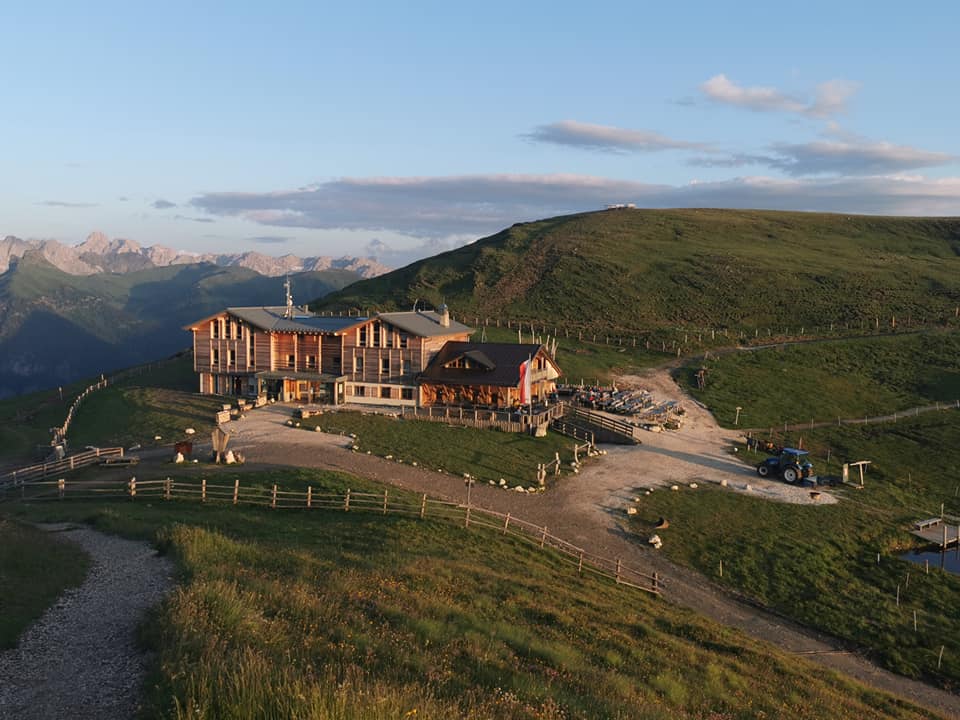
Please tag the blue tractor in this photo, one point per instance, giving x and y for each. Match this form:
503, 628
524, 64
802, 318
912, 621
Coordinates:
791, 465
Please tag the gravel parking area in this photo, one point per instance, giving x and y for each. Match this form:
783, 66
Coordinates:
80, 660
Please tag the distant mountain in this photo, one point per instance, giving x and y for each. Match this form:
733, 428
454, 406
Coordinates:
57, 327
636, 270
98, 254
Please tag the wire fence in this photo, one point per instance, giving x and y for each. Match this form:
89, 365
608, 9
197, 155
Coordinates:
383, 503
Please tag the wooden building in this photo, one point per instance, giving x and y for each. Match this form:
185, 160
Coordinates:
488, 375
288, 353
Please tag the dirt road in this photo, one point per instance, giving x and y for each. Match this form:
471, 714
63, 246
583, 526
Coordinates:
588, 511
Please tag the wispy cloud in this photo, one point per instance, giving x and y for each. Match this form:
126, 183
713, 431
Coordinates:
66, 204
852, 157
606, 138
439, 208
162, 204
829, 98
194, 219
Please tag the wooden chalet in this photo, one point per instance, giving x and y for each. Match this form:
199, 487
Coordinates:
290, 354
487, 374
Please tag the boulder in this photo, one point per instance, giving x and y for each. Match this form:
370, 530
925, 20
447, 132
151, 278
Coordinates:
229, 458
178, 458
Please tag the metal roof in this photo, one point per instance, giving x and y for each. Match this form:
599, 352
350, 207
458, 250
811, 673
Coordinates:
425, 323
272, 319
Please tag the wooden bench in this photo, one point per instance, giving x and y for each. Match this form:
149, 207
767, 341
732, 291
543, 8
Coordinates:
126, 460
925, 524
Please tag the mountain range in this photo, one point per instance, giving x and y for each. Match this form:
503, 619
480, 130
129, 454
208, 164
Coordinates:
99, 254
57, 327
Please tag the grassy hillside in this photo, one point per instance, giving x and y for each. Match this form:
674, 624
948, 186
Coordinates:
56, 328
326, 614
640, 269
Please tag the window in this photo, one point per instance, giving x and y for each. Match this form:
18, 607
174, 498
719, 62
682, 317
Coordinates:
358, 363
385, 365
311, 362
291, 361
336, 363
403, 341
385, 392
215, 329
388, 332
360, 390
231, 357
228, 329
250, 358
375, 331
362, 339
406, 393
215, 358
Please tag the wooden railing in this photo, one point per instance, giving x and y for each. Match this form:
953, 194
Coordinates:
507, 420
619, 427
71, 462
383, 503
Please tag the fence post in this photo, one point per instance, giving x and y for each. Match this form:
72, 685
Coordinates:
61, 486
273, 497
236, 491
580, 564
385, 502
133, 488
203, 490
656, 582
619, 567
309, 495
543, 537
346, 501
423, 506
506, 523
167, 489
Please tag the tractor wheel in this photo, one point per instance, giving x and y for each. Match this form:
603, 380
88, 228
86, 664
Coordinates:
763, 470
791, 474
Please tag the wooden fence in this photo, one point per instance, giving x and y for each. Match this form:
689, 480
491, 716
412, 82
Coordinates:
385, 503
72, 462
621, 428
60, 433
877, 419
506, 420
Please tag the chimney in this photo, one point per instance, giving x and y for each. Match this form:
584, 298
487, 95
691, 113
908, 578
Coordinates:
444, 313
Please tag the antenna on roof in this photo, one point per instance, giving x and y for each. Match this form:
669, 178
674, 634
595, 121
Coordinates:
288, 313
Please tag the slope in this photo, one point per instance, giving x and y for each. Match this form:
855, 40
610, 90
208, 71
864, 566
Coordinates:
640, 269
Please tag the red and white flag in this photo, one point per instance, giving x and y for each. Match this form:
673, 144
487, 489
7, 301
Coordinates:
526, 393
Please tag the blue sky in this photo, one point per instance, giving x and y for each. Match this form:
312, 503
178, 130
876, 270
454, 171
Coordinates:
398, 131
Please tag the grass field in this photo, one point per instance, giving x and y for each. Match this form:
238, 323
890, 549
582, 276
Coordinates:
819, 564
35, 568
823, 381
484, 454
326, 614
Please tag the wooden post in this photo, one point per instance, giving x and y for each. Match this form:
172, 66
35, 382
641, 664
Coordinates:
580, 564
940, 657
721, 567
61, 486
926, 567
543, 537
656, 582
423, 506
466, 518
133, 488
914, 620
346, 501
944, 530
619, 567
384, 502
273, 497
309, 496
898, 594
203, 490
236, 491
167, 489
506, 523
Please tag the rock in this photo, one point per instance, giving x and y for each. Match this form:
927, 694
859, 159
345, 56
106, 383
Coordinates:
229, 458
531, 489
693, 486
519, 489
289, 423
388, 457
296, 424
647, 492
318, 429
414, 463
178, 458
503, 483
195, 460
189, 431
723, 483
492, 482
157, 438
655, 540
748, 487
631, 511
238, 456
675, 488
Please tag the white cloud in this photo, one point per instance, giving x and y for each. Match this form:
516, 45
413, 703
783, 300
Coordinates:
606, 138
437, 209
829, 99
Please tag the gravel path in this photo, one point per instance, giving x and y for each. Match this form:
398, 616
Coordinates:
80, 659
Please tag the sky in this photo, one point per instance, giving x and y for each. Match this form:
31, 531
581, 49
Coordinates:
399, 130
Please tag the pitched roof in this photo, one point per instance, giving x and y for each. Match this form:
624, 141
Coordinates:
425, 323
501, 367
272, 319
